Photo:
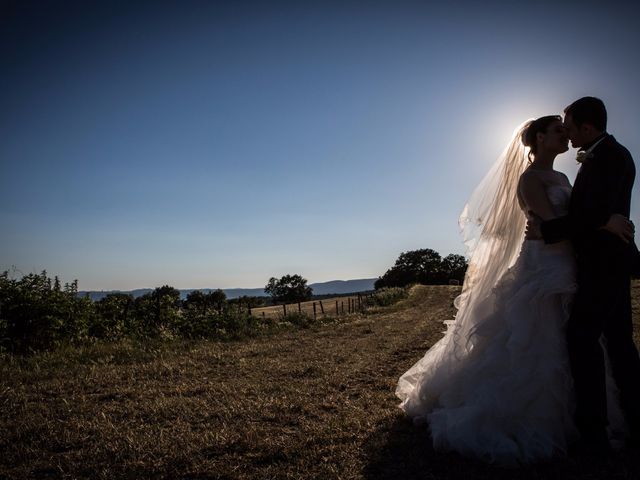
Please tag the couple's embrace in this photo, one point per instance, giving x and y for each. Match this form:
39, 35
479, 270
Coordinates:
540, 356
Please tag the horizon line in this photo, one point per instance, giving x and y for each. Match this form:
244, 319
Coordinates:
210, 288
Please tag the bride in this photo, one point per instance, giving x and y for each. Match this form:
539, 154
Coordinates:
498, 385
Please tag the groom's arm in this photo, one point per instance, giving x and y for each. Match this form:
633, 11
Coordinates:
612, 206
556, 229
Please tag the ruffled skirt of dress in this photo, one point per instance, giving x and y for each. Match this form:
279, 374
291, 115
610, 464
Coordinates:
503, 391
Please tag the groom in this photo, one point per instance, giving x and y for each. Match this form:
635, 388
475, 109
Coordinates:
603, 241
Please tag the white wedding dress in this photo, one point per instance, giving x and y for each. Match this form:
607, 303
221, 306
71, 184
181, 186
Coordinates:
503, 392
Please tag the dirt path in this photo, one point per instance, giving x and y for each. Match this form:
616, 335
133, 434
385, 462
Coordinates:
315, 403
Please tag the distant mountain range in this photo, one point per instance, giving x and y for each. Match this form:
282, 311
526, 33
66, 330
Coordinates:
338, 287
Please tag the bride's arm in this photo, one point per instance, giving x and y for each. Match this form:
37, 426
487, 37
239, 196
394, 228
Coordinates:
546, 224
535, 197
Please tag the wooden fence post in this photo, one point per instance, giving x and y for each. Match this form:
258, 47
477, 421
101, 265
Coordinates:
284, 307
321, 307
342, 306
262, 316
299, 308
337, 311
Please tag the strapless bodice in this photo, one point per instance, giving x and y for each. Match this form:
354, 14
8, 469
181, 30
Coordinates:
559, 196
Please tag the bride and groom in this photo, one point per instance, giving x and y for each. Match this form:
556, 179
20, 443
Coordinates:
540, 356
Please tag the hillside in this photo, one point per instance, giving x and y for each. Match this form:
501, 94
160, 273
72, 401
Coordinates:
315, 403
337, 287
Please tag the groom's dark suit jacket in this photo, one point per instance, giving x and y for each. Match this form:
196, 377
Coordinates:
603, 187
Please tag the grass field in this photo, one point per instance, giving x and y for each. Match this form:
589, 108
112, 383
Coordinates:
308, 403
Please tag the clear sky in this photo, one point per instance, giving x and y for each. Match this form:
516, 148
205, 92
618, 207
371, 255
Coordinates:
216, 144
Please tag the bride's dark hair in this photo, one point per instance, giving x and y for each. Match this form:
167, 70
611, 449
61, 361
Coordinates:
539, 125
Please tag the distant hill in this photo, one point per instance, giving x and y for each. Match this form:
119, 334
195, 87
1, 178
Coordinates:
322, 288
343, 286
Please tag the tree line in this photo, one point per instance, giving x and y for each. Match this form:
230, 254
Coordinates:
38, 312
424, 266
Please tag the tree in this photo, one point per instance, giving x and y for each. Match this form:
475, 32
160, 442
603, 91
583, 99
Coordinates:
157, 309
35, 313
454, 267
201, 303
249, 301
112, 319
416, 266
202, 314
217, 299
166, 300
288, 289
423, 266
196, 302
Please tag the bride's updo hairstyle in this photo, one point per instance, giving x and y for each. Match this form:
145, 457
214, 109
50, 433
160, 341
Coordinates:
530, 134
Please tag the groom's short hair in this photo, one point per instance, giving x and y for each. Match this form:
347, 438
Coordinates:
589, 110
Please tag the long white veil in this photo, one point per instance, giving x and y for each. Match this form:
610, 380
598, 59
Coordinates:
493, 225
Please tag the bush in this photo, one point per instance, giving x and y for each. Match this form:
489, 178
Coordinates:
36, 313
156, 312
238, 325
195, 325
114, 317
299, 319
385, 297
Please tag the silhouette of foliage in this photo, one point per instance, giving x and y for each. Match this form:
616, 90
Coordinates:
386, 296
424, 266
157, 311
202, 314
114, 316
453, 267
204, 303
36, 313
288, 289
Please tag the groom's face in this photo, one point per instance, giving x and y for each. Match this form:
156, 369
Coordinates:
575, 135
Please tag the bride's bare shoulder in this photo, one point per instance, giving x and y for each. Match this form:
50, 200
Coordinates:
531, 176
545, 177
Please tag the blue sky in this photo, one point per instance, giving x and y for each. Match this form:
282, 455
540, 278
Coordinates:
216, 144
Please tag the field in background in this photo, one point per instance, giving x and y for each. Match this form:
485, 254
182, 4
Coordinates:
333, 307
315, 403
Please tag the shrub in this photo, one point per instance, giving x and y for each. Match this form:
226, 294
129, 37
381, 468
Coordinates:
299, 319
114, 317
239, 324
36, 313
385, 297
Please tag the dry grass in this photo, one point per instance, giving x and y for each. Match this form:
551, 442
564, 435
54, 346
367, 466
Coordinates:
312, 403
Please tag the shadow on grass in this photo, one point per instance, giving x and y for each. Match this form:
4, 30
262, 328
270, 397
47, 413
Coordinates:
399, 450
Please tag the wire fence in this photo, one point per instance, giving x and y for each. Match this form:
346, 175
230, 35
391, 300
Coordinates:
329, 307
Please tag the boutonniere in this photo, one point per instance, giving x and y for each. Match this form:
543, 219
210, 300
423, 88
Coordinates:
583, 156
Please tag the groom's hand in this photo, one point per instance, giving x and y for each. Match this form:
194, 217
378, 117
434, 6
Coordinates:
620, 226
